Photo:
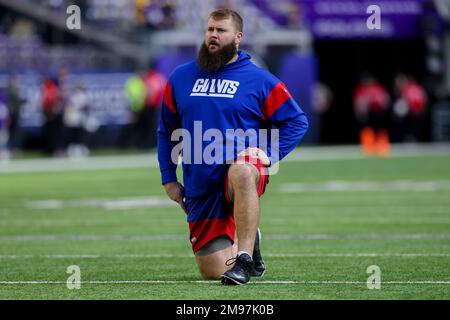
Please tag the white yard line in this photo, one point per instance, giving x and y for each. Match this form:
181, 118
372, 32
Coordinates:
305, 153
266, 255
108, 204
179, 237
305, 282
366, 186
85, 164
314, 236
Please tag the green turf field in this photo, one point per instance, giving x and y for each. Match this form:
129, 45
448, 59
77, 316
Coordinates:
323, 224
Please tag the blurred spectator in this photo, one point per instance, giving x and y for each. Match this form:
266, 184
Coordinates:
135, 91
22, 28
55, 5
409, 108
4, 153
168, 20
64, 93
61, 82
322, 101
154, 83
139, 12
51, 108
161, 15
14, 102
75, 119
225, 4
322, 97
371, 106
294, 16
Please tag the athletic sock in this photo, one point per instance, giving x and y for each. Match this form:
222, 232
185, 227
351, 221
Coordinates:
241, 252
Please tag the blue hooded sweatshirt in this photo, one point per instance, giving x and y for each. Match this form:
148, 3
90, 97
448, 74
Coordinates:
210, 108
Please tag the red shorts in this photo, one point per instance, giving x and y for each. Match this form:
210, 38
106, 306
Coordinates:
212, 216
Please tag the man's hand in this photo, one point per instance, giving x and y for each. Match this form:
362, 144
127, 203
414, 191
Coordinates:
175, 191
257, 153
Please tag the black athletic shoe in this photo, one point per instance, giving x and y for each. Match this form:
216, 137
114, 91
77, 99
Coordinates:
259, 265
240, 273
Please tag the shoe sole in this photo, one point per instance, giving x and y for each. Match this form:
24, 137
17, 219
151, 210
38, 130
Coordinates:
259, 275
259, 243
230, 281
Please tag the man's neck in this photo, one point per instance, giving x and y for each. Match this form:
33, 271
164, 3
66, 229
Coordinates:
233, 59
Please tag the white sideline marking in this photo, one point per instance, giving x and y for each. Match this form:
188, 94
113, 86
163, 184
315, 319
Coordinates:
108, 204
267, 255
314, 236
216, 282
293, 255
360, 236
359, 186
304, 153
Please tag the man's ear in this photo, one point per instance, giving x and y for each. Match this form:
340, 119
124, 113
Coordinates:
238, 38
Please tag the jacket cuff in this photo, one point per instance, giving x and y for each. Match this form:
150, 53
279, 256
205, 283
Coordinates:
168, 176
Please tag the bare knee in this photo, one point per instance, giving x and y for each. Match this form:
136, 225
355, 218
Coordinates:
243, 176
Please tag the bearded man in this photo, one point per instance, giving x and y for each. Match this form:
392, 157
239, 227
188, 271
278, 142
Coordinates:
222, 91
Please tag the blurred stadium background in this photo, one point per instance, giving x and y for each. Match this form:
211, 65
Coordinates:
109, 215
320, 49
